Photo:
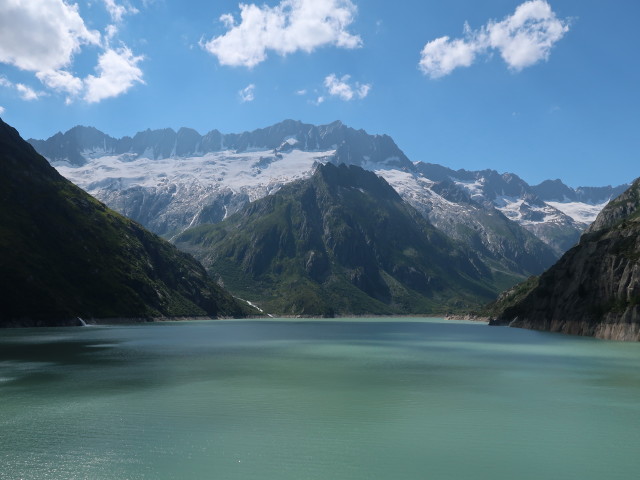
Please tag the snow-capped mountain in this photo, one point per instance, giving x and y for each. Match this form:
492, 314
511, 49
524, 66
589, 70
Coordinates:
170, 181
554, 212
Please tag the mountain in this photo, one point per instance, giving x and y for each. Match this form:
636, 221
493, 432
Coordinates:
63, 254
340, 242
170, 181
556, 220
556, 191
594, 289
499, 241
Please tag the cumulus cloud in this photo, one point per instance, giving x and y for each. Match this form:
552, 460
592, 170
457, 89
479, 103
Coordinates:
2, 110
41, 34
117, 72
341, 88
522, 39
527, 36
61, 81
246, 94
288, 27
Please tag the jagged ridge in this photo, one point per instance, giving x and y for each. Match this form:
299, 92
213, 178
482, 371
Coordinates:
352, 146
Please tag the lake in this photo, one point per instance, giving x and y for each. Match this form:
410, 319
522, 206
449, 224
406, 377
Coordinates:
316, 399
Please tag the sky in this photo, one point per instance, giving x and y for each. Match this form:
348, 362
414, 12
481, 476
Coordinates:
543, 89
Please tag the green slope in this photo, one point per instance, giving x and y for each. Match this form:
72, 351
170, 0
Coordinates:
341, 242
64, 254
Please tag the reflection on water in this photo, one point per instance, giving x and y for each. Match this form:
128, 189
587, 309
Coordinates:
349, 399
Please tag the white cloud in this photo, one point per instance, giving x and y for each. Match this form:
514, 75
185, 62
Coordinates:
118, 11
301, 92
523, 39
117, 72
2, 110
61, 81
527, 36
110, 31
442, 55
40, 35
288, 27
26, 93
340, 87
246, 94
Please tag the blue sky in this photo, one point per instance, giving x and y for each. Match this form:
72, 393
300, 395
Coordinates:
540, 89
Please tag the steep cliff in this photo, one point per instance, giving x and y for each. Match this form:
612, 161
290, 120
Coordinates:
63, 254
594, 289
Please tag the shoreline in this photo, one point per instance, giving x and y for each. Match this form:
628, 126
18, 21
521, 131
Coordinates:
88, 322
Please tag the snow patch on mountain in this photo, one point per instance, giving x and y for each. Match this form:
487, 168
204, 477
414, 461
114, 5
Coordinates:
255, 173
417, 191
171, 194
525, 213
579, 211
475, 188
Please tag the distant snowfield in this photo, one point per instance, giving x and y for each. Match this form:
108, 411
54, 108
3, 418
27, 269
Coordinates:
580, 212
416, 190
255, 173
193, 181
528, 214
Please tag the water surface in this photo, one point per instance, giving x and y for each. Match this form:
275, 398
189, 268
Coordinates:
349, 399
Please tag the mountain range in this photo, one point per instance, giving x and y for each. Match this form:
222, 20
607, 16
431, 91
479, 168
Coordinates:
170, 181
64, 254
303, 220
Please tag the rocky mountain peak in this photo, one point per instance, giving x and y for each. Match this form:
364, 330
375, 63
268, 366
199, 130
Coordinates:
624, 207
554, 190
342, 241
351, 176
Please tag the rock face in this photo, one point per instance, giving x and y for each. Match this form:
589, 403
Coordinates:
594, 289
340, 242
64, 255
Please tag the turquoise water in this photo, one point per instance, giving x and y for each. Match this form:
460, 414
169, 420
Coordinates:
350, 399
